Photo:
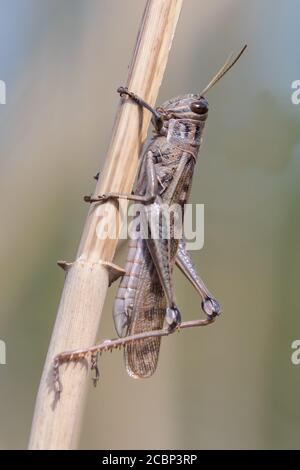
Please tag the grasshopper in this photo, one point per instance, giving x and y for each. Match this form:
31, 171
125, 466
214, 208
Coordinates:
145, 308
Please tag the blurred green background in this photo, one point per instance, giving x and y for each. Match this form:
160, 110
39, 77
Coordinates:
229, 386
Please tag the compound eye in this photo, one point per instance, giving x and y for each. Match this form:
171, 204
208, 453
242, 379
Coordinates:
199, 106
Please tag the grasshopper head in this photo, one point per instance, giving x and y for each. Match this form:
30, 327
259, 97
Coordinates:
188, 106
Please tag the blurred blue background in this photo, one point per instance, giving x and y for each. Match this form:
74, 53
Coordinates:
229, 386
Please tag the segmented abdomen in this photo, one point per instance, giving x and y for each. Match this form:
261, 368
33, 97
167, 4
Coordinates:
127, 290
140, 306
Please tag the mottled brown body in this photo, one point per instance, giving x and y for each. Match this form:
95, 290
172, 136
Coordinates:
145, 308
141, 296
149, 300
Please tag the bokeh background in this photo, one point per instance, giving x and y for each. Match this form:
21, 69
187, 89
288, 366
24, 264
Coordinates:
229, 386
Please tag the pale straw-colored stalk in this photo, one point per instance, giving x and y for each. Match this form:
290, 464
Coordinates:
57, 422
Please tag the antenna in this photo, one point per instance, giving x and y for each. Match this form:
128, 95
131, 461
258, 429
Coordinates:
223, 70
